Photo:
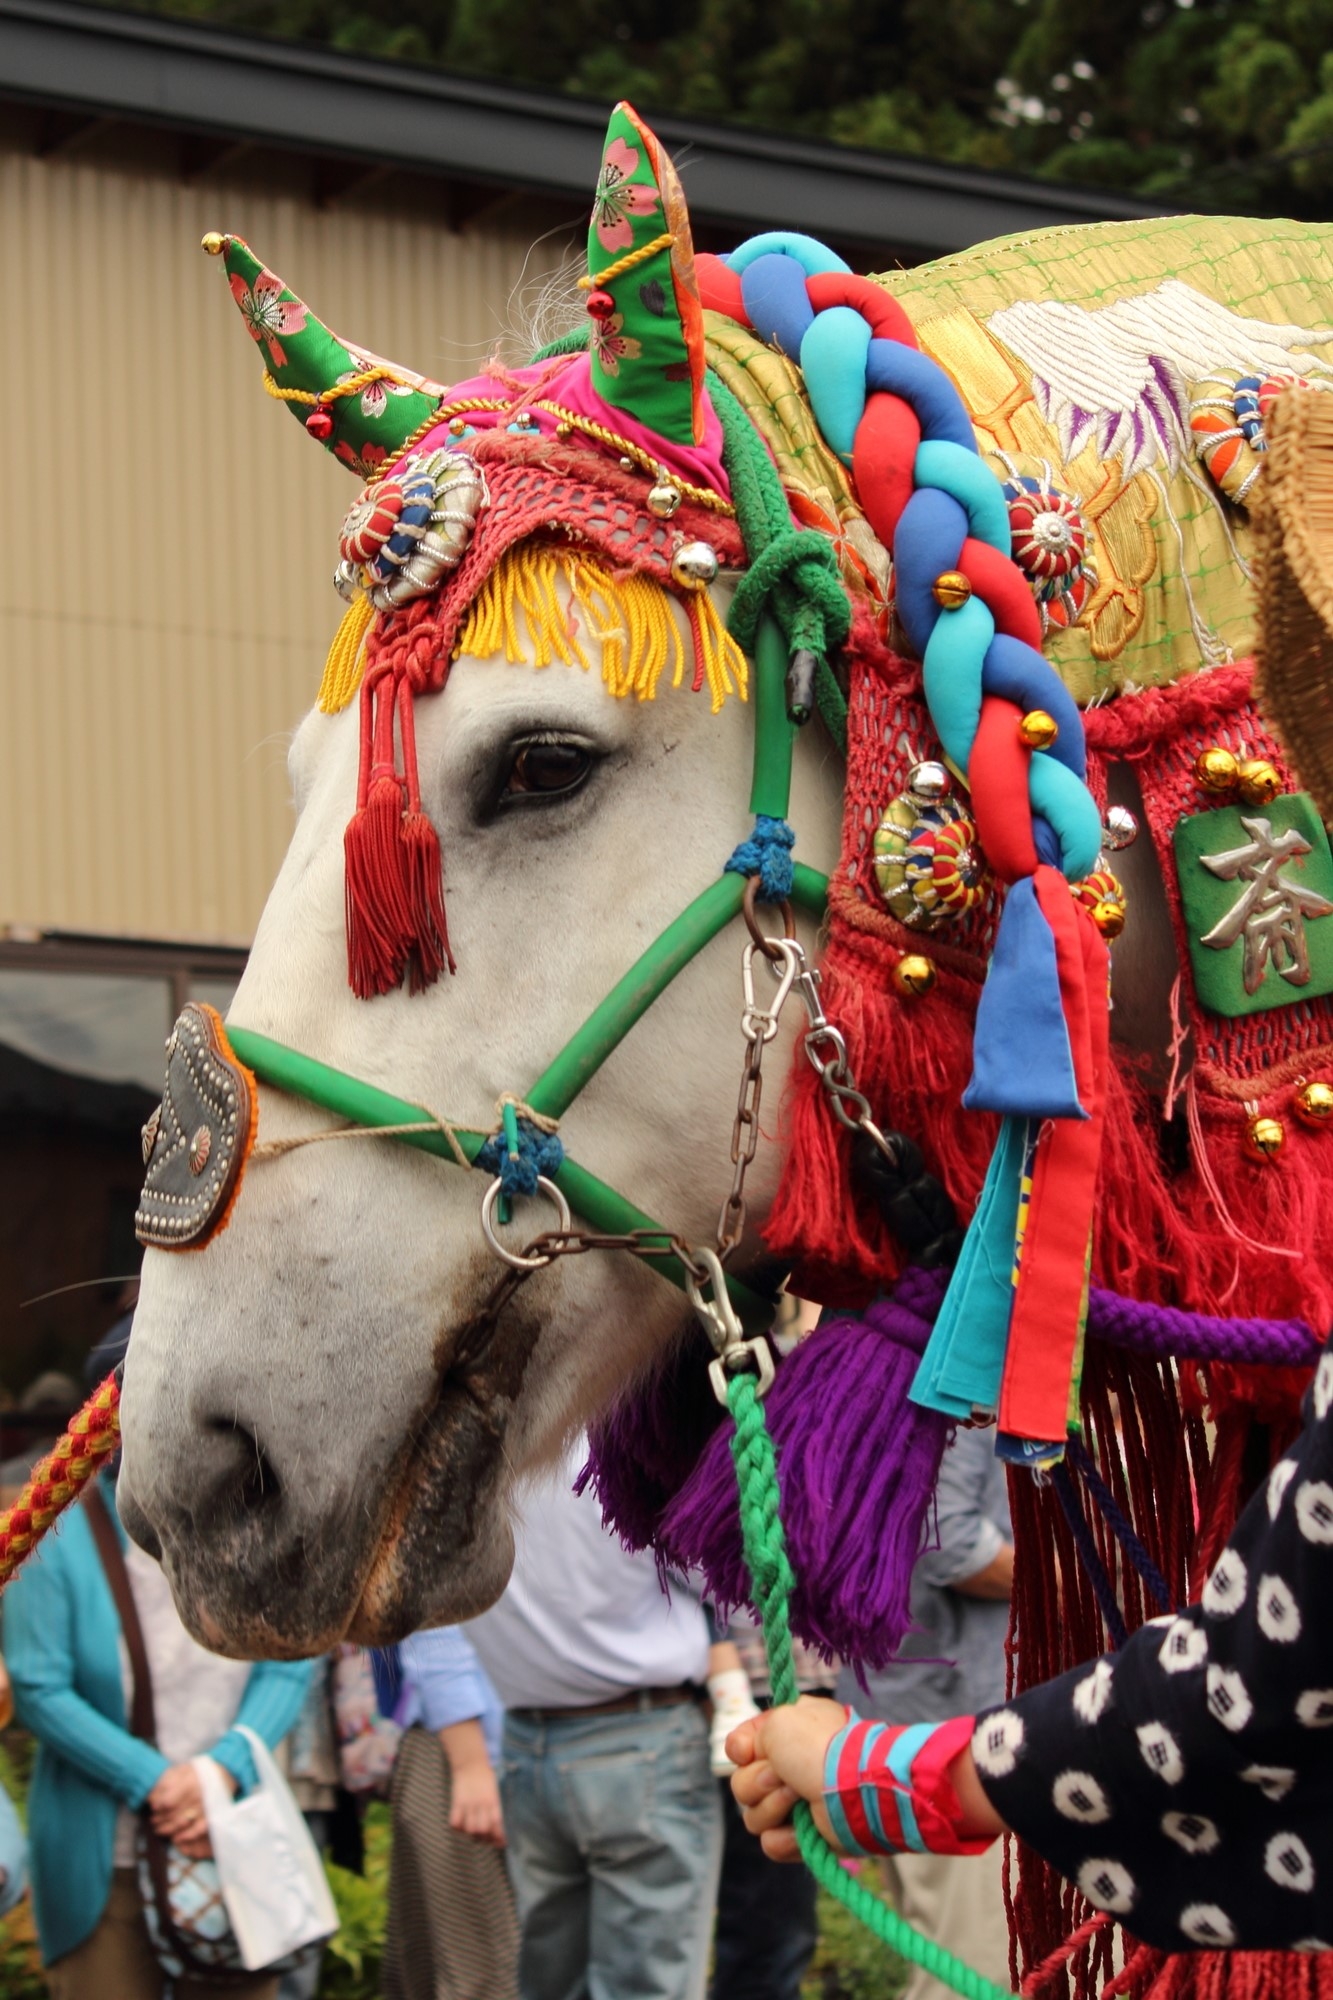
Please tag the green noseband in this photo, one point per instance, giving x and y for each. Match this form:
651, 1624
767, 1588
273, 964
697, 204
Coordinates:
601, 1207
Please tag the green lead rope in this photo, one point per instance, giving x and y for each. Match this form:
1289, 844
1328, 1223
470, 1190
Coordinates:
772, 1577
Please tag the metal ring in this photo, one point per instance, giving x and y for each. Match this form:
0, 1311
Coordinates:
765, 944
510, 1257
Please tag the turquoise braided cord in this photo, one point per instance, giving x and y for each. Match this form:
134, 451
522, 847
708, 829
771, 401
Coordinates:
772, 1579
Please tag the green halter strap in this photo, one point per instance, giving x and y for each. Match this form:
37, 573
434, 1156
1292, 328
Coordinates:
601, 1206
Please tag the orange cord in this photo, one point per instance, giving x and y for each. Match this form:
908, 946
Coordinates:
58, 1479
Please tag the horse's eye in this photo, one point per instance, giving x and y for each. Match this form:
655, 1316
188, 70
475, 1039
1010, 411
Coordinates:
546, 769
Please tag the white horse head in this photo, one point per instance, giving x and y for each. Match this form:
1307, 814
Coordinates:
295, 1444
320, 1427
304, 1442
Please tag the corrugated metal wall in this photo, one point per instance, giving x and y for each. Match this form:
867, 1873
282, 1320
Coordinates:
169, 534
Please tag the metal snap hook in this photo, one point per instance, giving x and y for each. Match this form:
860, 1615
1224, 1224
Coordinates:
760, 1023
721, 1322
511, 1257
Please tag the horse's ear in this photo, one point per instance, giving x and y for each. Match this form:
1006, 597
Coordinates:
361, 408
643, 301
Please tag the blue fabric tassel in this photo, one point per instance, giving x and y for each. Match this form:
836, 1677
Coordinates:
767, 854
962, 1366
1022, 1063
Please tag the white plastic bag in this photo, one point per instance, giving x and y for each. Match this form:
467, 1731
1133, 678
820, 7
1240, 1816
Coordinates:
272, 1878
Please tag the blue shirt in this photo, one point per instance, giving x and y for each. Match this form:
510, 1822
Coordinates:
446, 1683
953, 1662
583, 1620
61, 1645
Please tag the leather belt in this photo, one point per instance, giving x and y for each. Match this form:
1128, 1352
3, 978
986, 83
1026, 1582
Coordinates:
635, 1701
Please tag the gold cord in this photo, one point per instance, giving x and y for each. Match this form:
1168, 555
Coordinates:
628, 262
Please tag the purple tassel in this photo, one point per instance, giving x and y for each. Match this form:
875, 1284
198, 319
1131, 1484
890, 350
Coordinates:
857, 1464
645, 1447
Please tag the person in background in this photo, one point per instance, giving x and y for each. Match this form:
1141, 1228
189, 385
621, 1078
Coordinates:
13, 1847
46, 1406
309, 1760
452, 1933
612, 1814
766, 1930
72, 1688
953, 1660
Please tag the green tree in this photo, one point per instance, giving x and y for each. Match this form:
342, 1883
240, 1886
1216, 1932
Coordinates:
1220, 104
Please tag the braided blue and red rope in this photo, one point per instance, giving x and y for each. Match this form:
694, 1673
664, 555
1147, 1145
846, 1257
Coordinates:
895, 417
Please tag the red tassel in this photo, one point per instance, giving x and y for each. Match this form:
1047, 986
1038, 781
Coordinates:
379, 903
429, 952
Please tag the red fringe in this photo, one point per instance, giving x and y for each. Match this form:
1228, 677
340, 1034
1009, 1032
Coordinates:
429, 953
913, 1059
380, 915
1235, 1975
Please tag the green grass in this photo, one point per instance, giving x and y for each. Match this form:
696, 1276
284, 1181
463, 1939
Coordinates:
850, 1964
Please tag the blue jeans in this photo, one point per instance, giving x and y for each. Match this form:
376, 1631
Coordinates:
615, 1840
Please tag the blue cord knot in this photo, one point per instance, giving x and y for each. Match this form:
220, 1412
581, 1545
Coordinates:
519, 1165
767, 854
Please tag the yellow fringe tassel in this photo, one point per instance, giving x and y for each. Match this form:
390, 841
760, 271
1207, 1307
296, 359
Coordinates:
521, 613
344, 666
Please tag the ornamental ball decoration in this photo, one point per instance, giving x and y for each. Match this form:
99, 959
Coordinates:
914, 975
1313, 1105
1217, 770
1265, 1138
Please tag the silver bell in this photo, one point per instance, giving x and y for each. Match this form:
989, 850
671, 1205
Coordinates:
1121, 828
928, 782
663, 498
694, 565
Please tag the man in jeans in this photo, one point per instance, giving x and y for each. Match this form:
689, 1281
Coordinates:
952, 1663
612, 1814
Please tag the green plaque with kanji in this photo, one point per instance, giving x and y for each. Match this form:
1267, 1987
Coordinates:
1256, 889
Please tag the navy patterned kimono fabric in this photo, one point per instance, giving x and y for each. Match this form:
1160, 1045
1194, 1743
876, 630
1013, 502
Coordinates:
1186, 1782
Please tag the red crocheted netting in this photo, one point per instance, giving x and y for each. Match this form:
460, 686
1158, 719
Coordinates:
1184, 1217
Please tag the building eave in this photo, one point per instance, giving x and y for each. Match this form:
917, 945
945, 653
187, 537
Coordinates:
152, 70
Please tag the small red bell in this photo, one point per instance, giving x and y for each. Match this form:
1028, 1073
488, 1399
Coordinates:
601, 305
320, 424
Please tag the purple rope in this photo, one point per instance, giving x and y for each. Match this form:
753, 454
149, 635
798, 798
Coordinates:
1168, 1332
1101, 1583
1164, 1331
1081, 1458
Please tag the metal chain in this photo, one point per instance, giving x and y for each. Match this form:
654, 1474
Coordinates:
705, 1281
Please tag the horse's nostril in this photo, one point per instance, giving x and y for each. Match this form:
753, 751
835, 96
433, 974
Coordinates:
251, 1482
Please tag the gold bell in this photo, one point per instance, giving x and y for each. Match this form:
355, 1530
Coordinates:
1216, 770
914, 975
214, 243
1038, 730
951, 589
1313, 1105
1264, 1138
1109, 917
1258, 781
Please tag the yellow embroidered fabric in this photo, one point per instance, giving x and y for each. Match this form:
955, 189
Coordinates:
1121, 322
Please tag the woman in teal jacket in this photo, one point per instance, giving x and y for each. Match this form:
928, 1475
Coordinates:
62, 1644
